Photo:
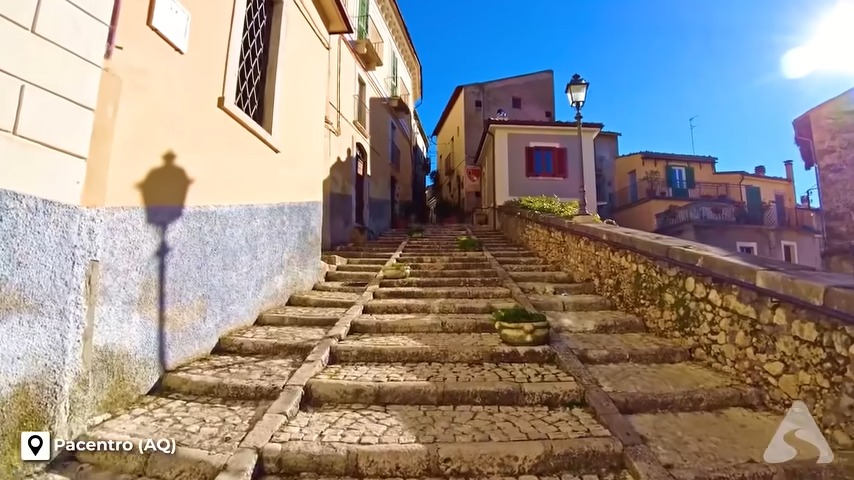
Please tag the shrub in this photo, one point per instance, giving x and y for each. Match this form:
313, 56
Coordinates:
550, 205
466, 243
518, 314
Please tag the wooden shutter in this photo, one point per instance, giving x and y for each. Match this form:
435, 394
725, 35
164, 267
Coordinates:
529, 161
670, 176
689, 177
560, 165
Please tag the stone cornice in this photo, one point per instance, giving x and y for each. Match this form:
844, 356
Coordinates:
396, 25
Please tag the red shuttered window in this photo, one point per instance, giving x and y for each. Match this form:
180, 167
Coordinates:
545, 162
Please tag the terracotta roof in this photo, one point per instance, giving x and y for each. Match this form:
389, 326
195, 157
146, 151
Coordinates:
673, 156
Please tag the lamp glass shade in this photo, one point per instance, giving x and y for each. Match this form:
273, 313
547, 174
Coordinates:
576, 90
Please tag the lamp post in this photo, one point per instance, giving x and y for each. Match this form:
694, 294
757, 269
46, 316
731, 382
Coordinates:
576, 91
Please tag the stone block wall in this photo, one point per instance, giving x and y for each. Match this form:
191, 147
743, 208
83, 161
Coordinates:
784, 328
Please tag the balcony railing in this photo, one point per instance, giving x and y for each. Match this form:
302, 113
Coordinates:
399, 94
361, 111
645, 190
711, 213
369, 44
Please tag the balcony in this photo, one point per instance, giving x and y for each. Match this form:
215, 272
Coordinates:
721, 213
645, 190
368, 44
398, 96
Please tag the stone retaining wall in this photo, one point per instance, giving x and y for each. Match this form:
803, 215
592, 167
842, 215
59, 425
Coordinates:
784, 328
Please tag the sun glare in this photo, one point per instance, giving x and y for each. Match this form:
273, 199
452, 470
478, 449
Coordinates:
831, 49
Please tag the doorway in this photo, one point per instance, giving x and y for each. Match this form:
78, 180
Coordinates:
361, 167
393, 200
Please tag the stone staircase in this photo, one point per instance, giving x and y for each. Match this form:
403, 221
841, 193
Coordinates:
367, 377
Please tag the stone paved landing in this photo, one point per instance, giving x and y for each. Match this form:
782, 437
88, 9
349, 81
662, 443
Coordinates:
444, 372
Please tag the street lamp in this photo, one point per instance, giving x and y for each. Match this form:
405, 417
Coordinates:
576, 91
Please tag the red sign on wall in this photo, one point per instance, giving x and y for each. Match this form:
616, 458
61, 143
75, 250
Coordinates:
473, 179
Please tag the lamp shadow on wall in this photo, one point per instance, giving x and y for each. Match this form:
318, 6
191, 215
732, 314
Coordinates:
164, 193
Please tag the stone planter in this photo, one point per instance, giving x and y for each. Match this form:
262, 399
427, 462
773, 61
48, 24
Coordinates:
395, 273
523, 334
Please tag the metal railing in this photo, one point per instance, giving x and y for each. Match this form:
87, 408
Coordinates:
396, 88
711, 213
645, 190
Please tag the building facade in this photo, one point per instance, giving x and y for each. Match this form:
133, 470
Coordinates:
373, 86
155, 200
825, 138
684, 196
528, 97
528, 158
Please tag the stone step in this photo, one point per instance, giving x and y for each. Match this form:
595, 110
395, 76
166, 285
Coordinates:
349, 254
729, 444
336, 276
503, 253
439, 305
521, 267
599, 348
233, 376
271, 340
443, 258
442, 282
444, 384
350, 267
411, 441
481, 273
550, 277
435, 347
443, 255
443, 292
423, 323
642, 388
569, 303
599, 321
366, 261
532, 260
346, 287
546, 288
447, 265
301, 316
206, 431
323, 299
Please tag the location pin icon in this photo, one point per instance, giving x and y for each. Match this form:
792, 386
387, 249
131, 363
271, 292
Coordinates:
35, 443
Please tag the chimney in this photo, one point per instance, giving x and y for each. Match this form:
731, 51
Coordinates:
759, 170
790, 170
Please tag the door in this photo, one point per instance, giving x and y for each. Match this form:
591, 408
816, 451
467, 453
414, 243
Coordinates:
633, 186
678, 182
362, 28
360, 184
393, 200
394, 88
780, 206
753, 199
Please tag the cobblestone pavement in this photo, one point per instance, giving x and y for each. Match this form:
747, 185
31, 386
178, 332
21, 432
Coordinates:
624, 475
677, 377
212, 424
461, 340
291, 335
444, 372
361, 424
244, 367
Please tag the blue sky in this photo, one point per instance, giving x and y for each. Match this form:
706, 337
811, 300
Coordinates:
652, 65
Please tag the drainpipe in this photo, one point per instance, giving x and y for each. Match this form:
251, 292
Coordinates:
111, 35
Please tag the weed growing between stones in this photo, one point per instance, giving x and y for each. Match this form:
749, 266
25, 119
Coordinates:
467, 244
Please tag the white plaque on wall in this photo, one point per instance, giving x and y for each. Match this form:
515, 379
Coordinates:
172, 22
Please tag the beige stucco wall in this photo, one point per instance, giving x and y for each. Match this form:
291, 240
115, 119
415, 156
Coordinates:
156, 113
50, 70
453, 128
507, 151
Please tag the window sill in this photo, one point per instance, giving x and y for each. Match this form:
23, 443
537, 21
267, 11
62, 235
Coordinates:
361, 128
546, 178
240, 117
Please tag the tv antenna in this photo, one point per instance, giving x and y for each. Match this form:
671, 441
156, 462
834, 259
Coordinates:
691, 124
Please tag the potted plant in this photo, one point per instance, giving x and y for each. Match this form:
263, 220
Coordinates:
396, 271
467, 244
652, 178
415, 231
519, 327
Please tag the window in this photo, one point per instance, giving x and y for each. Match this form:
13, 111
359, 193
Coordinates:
746, 247
394, 77
517, 102
478, 103
547, 162
249, 89
548, 114
361, 103
790, 251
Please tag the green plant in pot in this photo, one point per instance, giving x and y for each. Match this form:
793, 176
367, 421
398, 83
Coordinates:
467, 244
396, 271
519, 327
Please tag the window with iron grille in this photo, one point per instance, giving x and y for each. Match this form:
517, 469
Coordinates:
254, 59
